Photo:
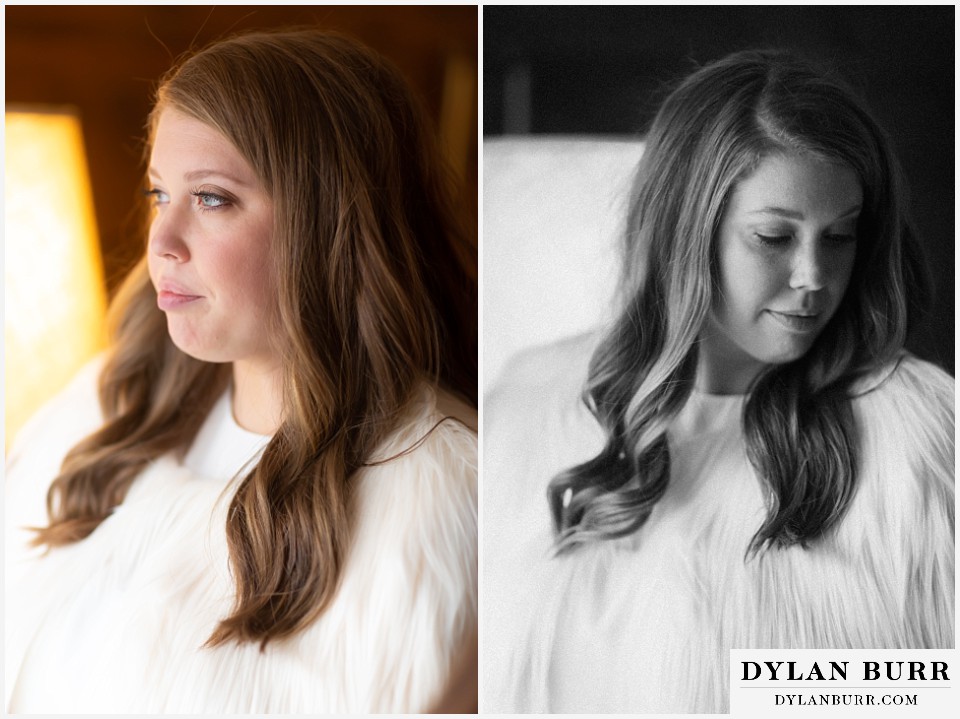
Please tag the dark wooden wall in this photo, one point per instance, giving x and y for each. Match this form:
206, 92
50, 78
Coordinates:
105, 61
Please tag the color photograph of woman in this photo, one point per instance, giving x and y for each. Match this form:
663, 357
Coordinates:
261, 497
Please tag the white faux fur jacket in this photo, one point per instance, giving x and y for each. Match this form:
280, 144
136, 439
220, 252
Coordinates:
116, 623
645, 623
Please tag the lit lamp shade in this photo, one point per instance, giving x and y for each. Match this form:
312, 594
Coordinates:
53, 276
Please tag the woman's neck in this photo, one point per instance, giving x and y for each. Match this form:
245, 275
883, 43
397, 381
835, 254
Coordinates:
722, 367
257, 400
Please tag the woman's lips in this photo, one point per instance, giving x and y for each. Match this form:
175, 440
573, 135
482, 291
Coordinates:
797, 321
171, 297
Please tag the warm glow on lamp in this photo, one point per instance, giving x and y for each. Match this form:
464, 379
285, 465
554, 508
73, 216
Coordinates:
53, 277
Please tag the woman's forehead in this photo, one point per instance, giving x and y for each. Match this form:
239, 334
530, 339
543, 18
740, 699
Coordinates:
797, 187
189, 147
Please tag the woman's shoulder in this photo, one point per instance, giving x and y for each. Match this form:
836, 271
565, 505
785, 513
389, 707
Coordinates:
536, 424
540, 392
38, 450
71, 414
558, 366
420, 486
412, 568
905, 417
438, 431
908, 379
909, 397
901, 520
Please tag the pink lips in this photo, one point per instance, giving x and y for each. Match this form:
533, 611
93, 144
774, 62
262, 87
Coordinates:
797, 321
171, 296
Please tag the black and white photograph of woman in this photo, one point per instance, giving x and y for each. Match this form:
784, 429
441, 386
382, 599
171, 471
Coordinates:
753, 446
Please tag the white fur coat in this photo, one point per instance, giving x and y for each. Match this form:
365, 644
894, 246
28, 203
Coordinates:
116, 622
645, 623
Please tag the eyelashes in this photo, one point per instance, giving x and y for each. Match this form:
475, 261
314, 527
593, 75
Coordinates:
210, 200
780, 240
156, 196
772, 240
204, 200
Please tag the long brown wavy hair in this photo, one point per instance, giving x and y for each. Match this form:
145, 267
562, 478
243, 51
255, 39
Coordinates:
377, 291
713, 130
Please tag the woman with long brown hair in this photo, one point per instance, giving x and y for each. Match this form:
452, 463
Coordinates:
263, 497
747, 456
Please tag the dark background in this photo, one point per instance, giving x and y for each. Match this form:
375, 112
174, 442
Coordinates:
604, 70
105, 61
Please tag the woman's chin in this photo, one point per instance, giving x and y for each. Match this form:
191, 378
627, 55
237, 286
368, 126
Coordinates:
193, 347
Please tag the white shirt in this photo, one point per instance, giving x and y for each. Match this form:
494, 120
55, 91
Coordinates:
644, 624
222, 448
116, 623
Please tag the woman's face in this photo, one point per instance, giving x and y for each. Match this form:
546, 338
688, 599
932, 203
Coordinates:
209, 249
786, 248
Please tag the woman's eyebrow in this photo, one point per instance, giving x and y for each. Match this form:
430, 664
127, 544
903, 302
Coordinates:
796, 215
201, 173
194, 175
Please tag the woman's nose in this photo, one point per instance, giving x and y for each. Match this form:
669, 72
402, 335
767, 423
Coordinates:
168, 236
809, 267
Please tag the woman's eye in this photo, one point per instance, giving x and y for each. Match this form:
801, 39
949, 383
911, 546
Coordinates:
772, 239
210, 201
157, 197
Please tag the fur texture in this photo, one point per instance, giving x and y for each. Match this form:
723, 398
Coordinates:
116, 623
645, 624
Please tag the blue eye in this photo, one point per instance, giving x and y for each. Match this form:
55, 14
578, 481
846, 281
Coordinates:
157, 197
210, 200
